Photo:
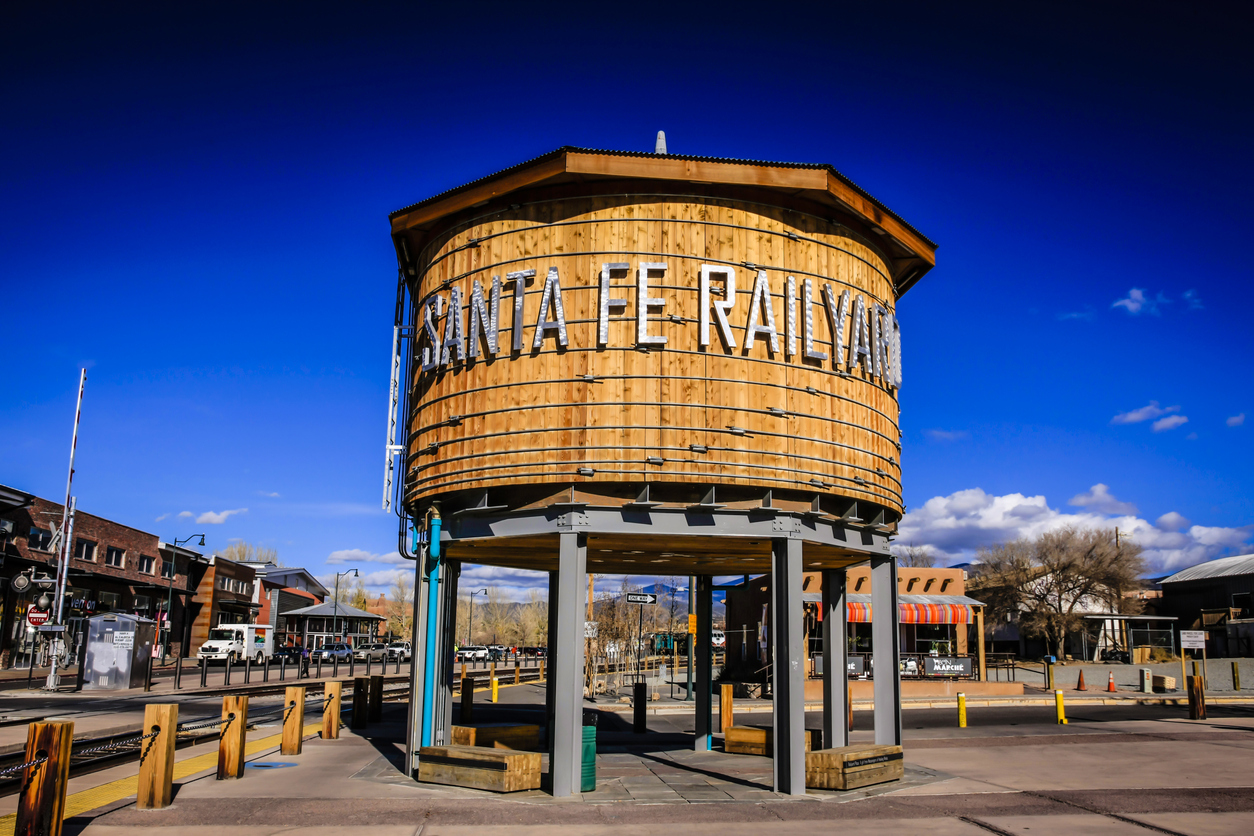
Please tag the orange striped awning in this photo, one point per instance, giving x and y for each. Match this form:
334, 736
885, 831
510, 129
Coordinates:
860, 613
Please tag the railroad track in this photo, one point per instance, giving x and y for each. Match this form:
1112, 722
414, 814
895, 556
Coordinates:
92, 754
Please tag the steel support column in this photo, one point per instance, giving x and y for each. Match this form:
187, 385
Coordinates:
443, 731
886, 648
704, 661
572, 594
788, 675
835, 661
550, 653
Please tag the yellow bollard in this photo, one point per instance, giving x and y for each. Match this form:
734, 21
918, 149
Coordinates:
962, 710
1062, 715
495, 688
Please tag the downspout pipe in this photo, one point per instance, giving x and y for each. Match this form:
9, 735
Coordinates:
433, 599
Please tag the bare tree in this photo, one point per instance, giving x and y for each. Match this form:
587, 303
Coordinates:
532, 619
401, 606
243, 552
915, 557
1048, 583
498, 617
359, 598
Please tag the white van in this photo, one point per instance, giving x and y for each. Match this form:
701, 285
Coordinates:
237, 642
718, 639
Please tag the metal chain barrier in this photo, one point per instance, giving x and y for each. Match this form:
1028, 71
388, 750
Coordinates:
117, 744
20, 767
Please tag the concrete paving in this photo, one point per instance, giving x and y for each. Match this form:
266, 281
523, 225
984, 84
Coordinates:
1112, 769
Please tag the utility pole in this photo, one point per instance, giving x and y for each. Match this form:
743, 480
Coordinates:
67, 546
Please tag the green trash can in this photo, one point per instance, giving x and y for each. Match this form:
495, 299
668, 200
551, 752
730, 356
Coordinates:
588, 759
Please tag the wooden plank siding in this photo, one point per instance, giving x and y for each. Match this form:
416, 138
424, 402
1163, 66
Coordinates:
530, 418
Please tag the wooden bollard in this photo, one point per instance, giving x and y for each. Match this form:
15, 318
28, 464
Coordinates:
361, 696
376, 699
468, 701
232, 737
542, 670
517, 671
41, 805
293, 721
156, 760
331, 710
725, 707
463, 670
1197, 698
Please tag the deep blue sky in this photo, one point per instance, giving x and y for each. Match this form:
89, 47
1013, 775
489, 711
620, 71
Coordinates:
195, 201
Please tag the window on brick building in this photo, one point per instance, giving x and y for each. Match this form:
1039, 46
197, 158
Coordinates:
39, 539
114, 557
109, 600
84, 549
147, 564
167, 568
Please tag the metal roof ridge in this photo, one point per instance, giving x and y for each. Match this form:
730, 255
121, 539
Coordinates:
565, 149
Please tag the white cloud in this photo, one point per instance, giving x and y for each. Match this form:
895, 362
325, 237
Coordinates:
1085, 314
160, 518
218, 517
363, 556
1169, 423
185, 514
1137, 302
1171, 521
947, 435
1145, 413
271, 494
1195, 303
1191, 437
1100, 499
956, 526
1236, 420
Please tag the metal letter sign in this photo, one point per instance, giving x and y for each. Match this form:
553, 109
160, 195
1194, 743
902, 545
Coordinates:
641, 598
1192, 639
871, 345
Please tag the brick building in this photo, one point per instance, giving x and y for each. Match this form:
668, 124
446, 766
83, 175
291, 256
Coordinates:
224, 595
113, 568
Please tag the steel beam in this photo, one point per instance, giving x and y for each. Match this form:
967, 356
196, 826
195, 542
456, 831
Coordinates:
835, 660
704, 661
572, 595
788, 660
549, 655
885, 645
676, 522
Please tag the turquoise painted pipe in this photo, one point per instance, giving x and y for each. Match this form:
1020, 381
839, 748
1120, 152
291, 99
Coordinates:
429, 645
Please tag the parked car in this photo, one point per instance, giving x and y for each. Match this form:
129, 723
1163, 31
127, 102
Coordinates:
290, 654
400, 650
340, 651
375, 652
472, 653
496, 654
535, 652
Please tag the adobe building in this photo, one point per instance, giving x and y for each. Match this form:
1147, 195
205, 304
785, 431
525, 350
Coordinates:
634, 363
940, 631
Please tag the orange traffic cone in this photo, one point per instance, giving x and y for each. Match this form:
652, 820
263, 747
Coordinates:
1079, 686
1110, 686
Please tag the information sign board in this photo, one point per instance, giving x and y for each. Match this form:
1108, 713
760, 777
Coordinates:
1192, 639
692, 625
121, 639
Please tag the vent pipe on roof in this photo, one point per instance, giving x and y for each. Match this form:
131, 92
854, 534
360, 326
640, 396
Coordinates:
660, 146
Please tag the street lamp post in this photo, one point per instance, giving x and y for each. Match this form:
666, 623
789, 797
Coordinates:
335, 612
169, 601
470, 628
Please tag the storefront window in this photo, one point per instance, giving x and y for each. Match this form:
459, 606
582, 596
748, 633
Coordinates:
108, 601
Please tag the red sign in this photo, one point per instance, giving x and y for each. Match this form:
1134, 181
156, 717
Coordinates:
37, 617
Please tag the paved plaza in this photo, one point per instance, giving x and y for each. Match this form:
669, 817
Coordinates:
1114, 769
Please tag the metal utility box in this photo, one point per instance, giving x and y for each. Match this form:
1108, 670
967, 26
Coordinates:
119, 651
